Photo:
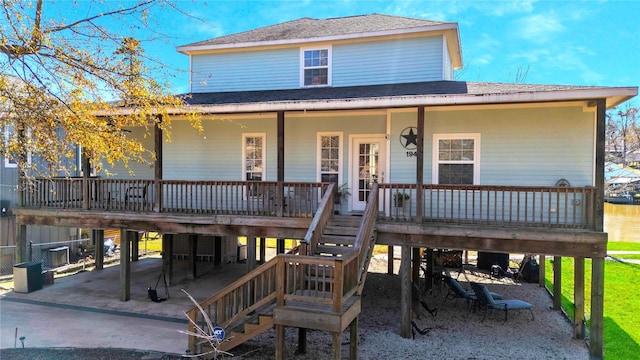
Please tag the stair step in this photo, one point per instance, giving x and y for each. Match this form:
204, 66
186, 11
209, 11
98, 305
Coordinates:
333, 250
337, 239
341, 230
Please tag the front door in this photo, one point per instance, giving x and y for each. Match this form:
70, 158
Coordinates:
367, 167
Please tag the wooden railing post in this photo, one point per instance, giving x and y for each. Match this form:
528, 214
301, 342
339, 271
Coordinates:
338, 285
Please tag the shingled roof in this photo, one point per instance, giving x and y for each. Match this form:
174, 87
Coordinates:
308, 28
430, 88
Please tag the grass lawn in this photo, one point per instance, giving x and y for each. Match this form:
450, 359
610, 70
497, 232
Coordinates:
621, 301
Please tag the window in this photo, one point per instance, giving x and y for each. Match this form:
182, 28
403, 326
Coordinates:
253, 158
315, 67
330, 157
456, 158
8, 161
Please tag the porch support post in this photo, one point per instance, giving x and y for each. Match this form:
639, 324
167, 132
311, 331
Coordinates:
302, 341
420, 165
596, 341
21, 243
125, 265
157, 147
390, 259
98, 240
280, 190
336, 346
542, 259
405, 292
193, 247
428, 276
86, 171
280, 246
135, 246
415, 266
263, 249
251, 252
578, 297
167, 255
353, 339
557, 282
279, 342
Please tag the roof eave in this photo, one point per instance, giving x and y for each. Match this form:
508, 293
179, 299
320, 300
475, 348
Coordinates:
190, 49
614, 96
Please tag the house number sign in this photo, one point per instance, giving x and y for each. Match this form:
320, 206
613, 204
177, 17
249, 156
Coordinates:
409, 140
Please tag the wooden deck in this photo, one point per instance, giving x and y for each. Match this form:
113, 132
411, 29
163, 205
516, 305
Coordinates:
550, 220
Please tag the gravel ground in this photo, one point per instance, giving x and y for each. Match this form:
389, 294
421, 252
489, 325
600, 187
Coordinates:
456, 332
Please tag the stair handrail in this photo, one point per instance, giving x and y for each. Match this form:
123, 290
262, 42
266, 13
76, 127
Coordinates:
365, 239
320, 219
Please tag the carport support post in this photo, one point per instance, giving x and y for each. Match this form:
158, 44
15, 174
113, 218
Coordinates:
557, 282
542, 262
167, 256
596, 340
135, 244
21, 243
251, 252
125, 265
405, 292
193, 246
98, 241
578, 297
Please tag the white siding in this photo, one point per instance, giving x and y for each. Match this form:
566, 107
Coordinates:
388, 62
246, 71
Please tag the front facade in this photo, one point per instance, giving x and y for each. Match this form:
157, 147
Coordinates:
369, 104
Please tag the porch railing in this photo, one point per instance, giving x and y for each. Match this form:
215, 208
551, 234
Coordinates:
288, 199
553, 207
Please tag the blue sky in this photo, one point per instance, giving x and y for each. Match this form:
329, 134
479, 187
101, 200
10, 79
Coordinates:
559, 42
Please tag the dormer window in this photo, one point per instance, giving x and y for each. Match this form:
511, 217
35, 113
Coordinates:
315, 67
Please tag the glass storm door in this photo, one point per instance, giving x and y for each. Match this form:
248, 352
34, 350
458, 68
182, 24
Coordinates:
367, 168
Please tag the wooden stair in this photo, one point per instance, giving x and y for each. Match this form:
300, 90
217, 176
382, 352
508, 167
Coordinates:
249, 328
338, 248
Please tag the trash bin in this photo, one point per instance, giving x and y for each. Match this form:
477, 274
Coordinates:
27, 277
242, 252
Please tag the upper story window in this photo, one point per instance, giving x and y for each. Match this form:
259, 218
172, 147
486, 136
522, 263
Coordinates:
8, 161
456, 159
315, 67
330, 157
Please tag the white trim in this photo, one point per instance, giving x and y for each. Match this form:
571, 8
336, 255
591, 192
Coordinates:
435, 162
328, 66
8, 164
340, 155
186, 49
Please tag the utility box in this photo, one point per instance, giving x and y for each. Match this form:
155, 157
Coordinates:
59, 256
27, 277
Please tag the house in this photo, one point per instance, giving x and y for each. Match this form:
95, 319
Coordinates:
294, 110
40, 236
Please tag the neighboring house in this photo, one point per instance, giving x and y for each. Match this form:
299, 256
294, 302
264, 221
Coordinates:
9, 199
371, 102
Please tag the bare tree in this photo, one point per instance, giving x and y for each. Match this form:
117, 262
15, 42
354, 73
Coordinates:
623, 130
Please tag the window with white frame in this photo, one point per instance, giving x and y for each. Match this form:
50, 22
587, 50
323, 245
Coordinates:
456, 158
253, 156
330, 157
315, 67
8, 161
